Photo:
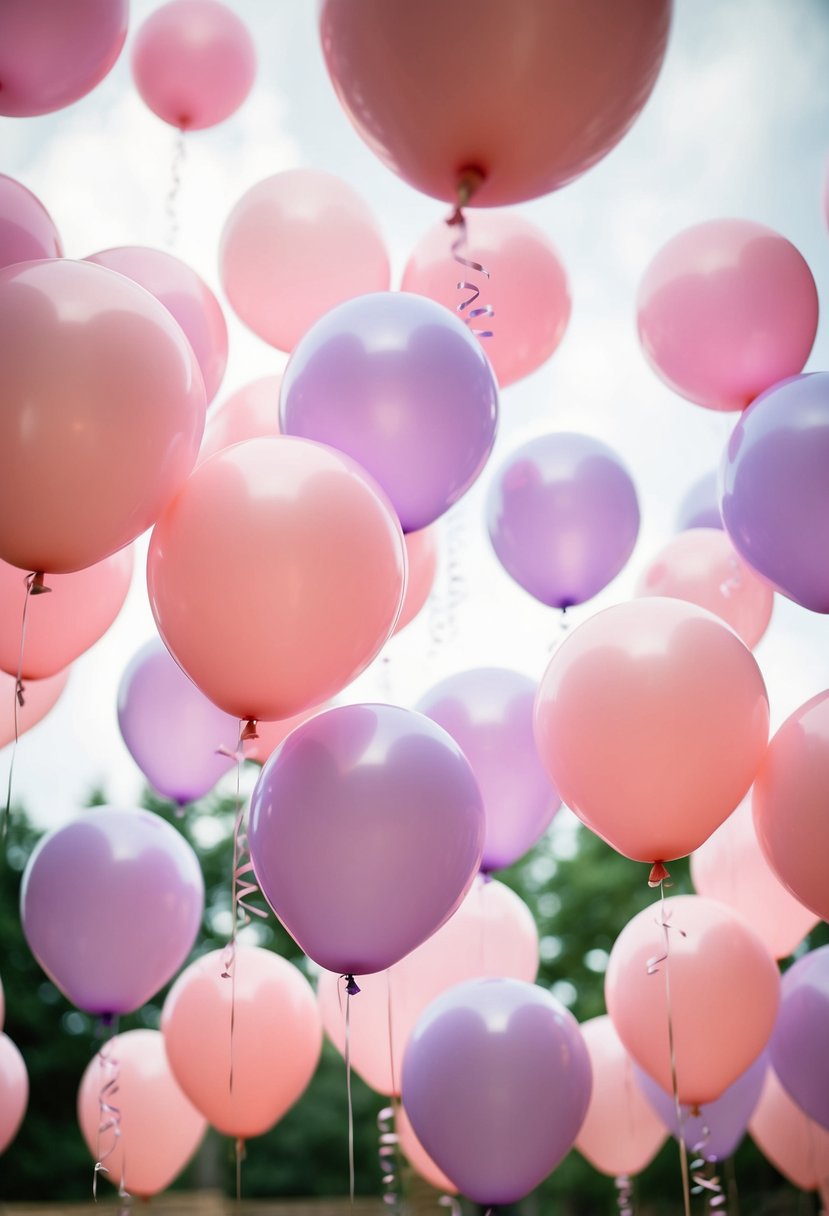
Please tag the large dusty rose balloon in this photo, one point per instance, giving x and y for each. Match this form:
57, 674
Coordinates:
276, 575
712, 975
526, 286
530, 94
27, 231
294, 246
794, 1144
52, 53
14, 1091
39, 696
801, 1035
725, 310
276, 1041
160, 1129
249, 413
103, 413
422, 559
674, 705
193, 62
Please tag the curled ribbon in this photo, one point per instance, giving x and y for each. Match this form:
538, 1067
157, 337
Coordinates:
109, 1115
704, 1176
624, 1194
469, 182
387, 1154
171, 201
663, 920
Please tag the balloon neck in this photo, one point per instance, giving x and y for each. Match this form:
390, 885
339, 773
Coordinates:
351, 985
249, 730
658, 874
107, 1021
37, 586
695, 1111
469, 183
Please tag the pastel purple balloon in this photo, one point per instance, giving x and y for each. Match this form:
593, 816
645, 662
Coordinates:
563, 517
173, 732
496, 1084
775, 488
700, 508
489, 713
110, 905
366, 830
799, 1046
27, 231
397, 382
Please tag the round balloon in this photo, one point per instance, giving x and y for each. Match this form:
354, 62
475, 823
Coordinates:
27, 231
39, 696
801, 1035
700, 506
794, 1144
14, 1091
249, 413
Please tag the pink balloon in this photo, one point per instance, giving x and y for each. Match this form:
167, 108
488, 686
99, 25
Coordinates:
249, 413
701, 566
715, 980
52, 53
160, 1129
185, 295
725, 310
27, 231
276, 575
526, 287
294, 246
794, 1144
621, 1133
103, 413
789, 804
422, 554
39, 696
194, 63
417, 1157
675, 706
14, 1091
492, 933
730, 867
276, 1042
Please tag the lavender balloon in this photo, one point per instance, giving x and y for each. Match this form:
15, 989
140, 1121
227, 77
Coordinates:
401, 385
799, 1047
489, 713
110, 906
563, 517
496, 1084
700, 508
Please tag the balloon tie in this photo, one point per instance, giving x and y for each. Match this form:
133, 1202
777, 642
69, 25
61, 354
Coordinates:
350, 990
658, 874
704, 1175
470, 181
34, 586
174, 191
624, 1194
387, 1153
109, 1115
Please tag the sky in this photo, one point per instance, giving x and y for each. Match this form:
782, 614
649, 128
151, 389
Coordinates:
738, 125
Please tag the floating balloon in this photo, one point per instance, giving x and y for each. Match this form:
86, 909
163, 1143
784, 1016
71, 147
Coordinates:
563, 517
276, 575
194, 63
676, 707
422, 561
727, 309
794, 1144
14, 1091
700, 507
801, 1035
587, 70
296, 245
39, 696
400, 385
110, 905
366, 829
489, 713
417, 1157
249, 413
27, 231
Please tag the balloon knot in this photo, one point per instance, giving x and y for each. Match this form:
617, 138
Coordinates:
249, 730
37, 586
350, 985
658, 874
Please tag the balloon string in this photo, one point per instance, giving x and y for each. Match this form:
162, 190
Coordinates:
240, 1156
174, 191
349, 986
387, 1153
704, 1175
470, 181
109, 1115
34, 586
624, 1194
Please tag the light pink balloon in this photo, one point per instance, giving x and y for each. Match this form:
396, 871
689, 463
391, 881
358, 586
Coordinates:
701, 566
416, 1154
39, 696
794, 1144
14, 1091
194, 63
249, 413
27, 231
526, 287
422, 552
294, 246
492, 933
160, 1128
725, 310
730, 867
621, 1133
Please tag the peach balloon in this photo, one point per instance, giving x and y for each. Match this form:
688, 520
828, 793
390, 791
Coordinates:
250, 412
711, 975
621, 1133
277, 1038
701, 566
39, 696
730, 867
14, 1091
416, 1154
160, 1128
422, 553
794, 1144
491, 934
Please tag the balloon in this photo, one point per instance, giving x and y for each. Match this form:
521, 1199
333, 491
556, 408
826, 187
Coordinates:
702, 567
366, 829
801, 1035
620, 1134
62, 625
173, 733
526, 287
675, 706
563, 517
159, 1128
103, 412
193, 63
249, 413
700, 508
730, 866
794, 1144
725, 310
14, 1091
491, 933
588, 71
275, 1045
417, 1157
489, 713
52, 53
184, 294
711, 976
401, 385
789, 804
110, 905
496, 1083
294, 246
39, 696
27, 231
422, 558
276, 575
775, 499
